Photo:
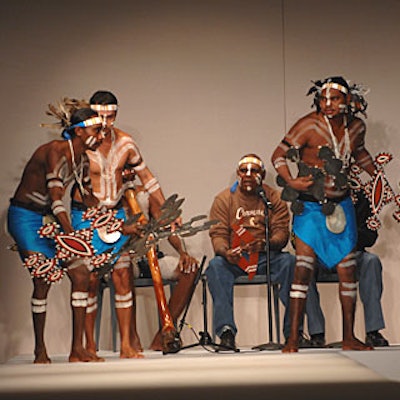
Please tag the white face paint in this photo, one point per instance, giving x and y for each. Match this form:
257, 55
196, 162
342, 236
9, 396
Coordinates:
328, 96
248, 173
245, 187
90, 141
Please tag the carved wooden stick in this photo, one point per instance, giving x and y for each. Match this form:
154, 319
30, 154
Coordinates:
165, 315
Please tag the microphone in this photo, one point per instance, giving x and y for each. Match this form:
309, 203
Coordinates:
261, 192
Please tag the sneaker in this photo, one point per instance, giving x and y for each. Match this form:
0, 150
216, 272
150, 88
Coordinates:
375, 339
228, 341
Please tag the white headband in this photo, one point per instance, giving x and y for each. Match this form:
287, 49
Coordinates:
104, 107
252, 160
88, 122
333, 85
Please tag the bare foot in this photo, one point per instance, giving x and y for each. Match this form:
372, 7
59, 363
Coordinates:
91, 348
355, 344
41, 357
156, 344
93, 352
129, 352
136, 345
290, 348
84, 356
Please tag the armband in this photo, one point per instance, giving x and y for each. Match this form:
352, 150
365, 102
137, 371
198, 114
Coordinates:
55, 182
152, 185
140, 167
58, 207
279, 162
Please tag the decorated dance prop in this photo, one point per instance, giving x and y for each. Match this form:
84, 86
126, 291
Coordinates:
377, 190
248, 262
332, 169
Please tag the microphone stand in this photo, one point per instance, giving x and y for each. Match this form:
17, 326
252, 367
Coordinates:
270, 345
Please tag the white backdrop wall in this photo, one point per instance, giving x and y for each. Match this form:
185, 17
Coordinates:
200, 83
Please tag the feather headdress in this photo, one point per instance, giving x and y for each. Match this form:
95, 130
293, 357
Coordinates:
357, 92
62, 112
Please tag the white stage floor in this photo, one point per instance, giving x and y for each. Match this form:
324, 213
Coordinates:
320, 374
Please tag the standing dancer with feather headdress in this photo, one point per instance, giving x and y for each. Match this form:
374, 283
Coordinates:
323, 143
52, 167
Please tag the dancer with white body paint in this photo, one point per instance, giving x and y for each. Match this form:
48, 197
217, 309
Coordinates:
323, 143
52, 167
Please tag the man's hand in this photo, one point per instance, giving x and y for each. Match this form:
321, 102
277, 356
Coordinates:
233, 255
133, 229
187, 263
301, 183
255, 246
176, 224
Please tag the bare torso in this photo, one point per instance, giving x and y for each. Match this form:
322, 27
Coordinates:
107, 163
312, 132
49, 160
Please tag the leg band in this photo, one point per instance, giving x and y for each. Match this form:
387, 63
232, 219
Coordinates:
298, 291
81, 261
38, 306
305, 261
349, 261
123, 262
123, 301
91, 305
79, 299
349, 289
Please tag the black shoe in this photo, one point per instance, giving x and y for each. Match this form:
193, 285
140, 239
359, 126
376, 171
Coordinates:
304, 342
227, 341
375, 339
317, 340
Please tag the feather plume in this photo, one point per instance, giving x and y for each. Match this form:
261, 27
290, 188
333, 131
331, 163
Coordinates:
62, 112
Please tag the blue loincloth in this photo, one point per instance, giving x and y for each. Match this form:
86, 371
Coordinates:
329, 247
23, 226
99, 245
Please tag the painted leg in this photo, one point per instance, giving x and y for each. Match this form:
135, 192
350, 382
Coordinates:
38, 306
134, 336
91, 314
297, 307
348, 294
303, 271
79, 276
124, 306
